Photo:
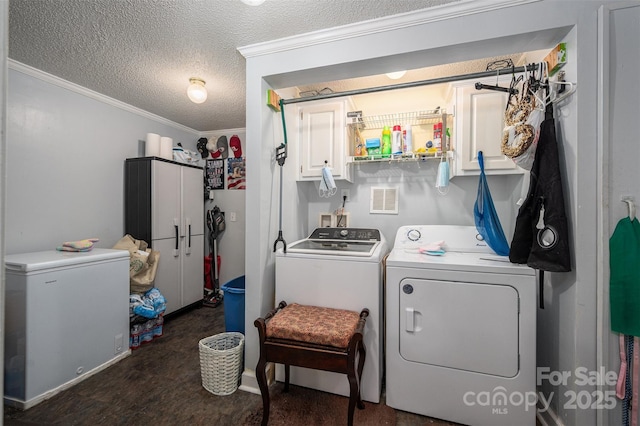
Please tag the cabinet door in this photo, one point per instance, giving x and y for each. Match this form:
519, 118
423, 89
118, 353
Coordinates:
479, 127
322, 138
192, 202
193, 270
169, 273
165, 202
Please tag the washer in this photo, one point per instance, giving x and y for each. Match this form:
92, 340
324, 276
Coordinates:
460, 330
337, 268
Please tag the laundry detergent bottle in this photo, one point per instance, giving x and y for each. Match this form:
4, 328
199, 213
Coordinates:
386, 141
396, 140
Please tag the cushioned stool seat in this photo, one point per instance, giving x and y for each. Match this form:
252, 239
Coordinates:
312, 337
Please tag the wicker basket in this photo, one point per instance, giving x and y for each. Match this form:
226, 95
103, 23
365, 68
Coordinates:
221, 362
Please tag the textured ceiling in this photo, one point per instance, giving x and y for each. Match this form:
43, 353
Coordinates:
142, 52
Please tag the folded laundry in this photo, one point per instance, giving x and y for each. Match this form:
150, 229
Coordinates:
80, 245
433, 249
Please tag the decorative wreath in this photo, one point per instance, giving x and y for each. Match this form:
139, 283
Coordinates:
518, 134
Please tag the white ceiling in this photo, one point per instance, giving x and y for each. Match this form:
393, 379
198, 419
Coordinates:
142, 52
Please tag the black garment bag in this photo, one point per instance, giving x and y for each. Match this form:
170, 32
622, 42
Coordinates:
541, 237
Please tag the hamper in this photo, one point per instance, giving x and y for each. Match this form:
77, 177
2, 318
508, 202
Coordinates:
221, 362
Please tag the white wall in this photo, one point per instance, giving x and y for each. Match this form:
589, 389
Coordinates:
419, 202
621, 103
65, 162
231, 243
558, 328
4, 48
482, 29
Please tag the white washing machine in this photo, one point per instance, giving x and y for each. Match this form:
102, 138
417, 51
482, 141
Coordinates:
460, 330
337, 268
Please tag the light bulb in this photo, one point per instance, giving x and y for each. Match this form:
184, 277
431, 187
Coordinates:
396, 75
196, 91
253, 2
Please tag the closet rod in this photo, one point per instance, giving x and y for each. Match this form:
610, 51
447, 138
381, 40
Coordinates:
471, 76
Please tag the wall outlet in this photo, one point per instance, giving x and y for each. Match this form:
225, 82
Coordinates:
232, 216
345, 193
118, 344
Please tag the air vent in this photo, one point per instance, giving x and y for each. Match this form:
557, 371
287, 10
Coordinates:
384, 200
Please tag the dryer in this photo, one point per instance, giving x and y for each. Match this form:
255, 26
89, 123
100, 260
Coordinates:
460, 330
337, 268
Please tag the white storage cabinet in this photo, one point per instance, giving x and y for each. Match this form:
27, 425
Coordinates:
322, 136
479, 123
164, 206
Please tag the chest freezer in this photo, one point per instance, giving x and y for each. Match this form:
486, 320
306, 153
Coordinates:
66, 318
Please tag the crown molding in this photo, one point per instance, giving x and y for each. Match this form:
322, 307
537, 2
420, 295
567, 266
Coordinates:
379, 25
57, 81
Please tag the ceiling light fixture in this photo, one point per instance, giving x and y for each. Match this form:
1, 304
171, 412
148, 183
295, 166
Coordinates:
196, 90
396, 75
253, 2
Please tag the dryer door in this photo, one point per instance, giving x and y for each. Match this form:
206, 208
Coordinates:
466, 326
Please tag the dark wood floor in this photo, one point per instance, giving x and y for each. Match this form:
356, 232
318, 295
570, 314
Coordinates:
160, 384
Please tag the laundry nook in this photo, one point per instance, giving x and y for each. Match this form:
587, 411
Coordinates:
278, 212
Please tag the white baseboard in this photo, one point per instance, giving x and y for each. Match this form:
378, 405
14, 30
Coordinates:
250, 383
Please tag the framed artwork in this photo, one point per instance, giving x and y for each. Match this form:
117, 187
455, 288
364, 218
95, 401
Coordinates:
214, 173
236, 173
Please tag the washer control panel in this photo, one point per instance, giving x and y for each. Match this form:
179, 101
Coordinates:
347, 234
456, 238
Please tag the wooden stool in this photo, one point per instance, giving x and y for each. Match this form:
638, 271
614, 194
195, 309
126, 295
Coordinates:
312, 337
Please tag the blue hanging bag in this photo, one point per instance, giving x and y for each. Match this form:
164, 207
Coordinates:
486, 216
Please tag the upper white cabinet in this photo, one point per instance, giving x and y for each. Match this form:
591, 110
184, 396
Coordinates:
322, 134
479, 123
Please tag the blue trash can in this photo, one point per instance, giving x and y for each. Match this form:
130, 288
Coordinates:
234, 305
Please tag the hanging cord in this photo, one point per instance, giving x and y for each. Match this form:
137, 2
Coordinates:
281, 156
341, 216
541, 288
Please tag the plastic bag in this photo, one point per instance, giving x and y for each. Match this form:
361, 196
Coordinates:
486, 217
522, 118
149, 305
143, 263
185, 156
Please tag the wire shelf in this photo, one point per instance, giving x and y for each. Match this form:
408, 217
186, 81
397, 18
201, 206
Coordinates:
396, 158
414, 118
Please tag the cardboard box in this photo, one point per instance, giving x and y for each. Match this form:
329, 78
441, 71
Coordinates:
557, 58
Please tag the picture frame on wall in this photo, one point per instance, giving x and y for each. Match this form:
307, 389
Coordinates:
214, 173
236, 177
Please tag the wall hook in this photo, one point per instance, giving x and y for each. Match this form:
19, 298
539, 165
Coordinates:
630, 205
